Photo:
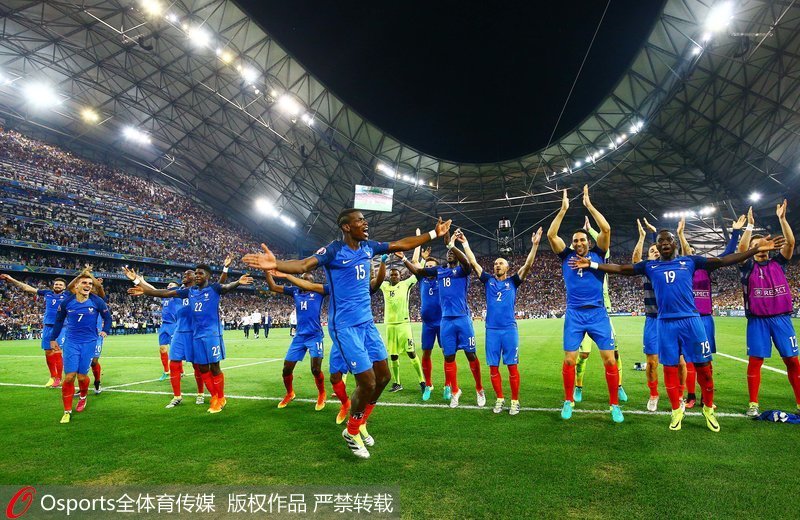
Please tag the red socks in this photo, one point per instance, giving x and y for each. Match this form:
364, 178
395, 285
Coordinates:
59, 363
691, 378
340, 390
219, 384
51, 364
653, 386
368, 411
497, 381
175, 377
83, 386
706, 381
165, 361
208, 379
513, 378
319, 379
427, 368
198, 378
793, 371
67, 391
96, 371
354, 422
568, 373
612, 380
754, 377
287, 382
451, 375
475, 367
672, 384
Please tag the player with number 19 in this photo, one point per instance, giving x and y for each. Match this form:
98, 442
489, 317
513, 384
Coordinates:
680, 329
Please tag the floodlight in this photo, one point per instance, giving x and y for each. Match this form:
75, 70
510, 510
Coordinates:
289, 104
152, 7
90, 115
719, 17
755, 196
199, 36
41, 95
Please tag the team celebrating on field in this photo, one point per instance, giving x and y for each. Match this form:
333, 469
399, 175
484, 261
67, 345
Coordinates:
678, 331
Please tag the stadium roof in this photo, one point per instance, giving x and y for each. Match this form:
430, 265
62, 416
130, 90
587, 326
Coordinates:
695, 122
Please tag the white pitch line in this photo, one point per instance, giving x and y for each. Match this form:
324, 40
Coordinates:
410, 405
226, 368
118, 357
765, 367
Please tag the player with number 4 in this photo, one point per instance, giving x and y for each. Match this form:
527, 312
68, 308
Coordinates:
680, 329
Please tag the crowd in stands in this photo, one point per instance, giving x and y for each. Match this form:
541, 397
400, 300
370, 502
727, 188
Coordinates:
50, 196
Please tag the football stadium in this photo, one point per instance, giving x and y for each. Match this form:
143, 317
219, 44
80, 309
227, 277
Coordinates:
399, 260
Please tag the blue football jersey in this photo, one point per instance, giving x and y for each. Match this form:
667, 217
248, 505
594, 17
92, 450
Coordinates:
453, 286
204, 309
431, 308
308, 306
347, 272
51, 303
81, 319
183, 313
672, 283
584, 286
501, 295
168, 309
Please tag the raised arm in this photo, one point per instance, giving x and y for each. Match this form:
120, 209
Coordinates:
415, 254
245, 279
144, 288
22, 285
408, 243
744, 243
376, 281
578, 262
461, 257
271, 285
468, 253
225, 266
788, 249
765, 244
525, 270
61, 315
603, 240
686, 249
637, 250
266, 261
297, 281
735, 235
556, 243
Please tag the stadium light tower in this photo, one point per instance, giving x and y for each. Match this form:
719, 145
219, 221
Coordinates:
505, 238
41, 95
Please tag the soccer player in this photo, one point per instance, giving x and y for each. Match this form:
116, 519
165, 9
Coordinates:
167, 329
586, 313
586, 345
351, 323
680, 329
309, 338
768, 307
456, 325
398, 328
502, 338
208, 348
80, 340
650, 336
431, 314
52, 299
701, 287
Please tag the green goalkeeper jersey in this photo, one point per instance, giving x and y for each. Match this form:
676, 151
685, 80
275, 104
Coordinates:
606, 297
395, 300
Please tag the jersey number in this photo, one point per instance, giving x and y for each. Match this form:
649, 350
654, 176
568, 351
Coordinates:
446, 282
793, 341
580, 272
361, 273
430, 291
670, 276
215, 351
705, 345
198, 307
472, 341
499, 296
391, 294
80, 317
303, 306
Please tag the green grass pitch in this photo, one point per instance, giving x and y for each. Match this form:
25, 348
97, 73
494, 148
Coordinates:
462, 463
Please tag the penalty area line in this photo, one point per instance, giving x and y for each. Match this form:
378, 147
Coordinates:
408, 405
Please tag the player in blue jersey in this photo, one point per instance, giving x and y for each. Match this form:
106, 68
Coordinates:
309, 337
680, 329
98, 290
207, 348
350, 322
52, 298
586, 312
502, 338
166, 330
79, 311
456, 331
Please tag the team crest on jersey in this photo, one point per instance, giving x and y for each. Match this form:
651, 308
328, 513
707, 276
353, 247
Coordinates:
683, 264
506, 285
91, 310
321, 251
205, 296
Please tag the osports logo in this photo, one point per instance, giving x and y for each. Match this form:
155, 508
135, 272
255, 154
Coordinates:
25, 497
